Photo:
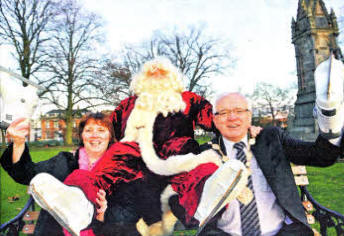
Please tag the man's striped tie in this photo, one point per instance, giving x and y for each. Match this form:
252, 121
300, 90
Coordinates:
249, 214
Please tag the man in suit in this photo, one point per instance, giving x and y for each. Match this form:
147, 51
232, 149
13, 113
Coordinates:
276, 208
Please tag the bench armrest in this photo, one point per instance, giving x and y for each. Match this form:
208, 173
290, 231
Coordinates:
326, 217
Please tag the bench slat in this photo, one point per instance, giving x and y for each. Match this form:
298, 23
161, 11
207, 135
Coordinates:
299, 170
310, 219
28, 229
301, 180
308, 205
31, 215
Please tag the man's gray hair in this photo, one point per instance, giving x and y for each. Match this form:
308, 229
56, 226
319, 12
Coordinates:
225, 94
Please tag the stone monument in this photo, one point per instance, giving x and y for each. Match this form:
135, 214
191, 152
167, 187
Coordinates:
314, 35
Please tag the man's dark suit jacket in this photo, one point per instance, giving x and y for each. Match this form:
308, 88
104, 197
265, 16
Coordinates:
274, 150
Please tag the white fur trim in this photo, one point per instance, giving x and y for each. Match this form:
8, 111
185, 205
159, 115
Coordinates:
156, 229
166, 225
139, 119
168, 219
168, 222
142, 227
165, 196
174, 164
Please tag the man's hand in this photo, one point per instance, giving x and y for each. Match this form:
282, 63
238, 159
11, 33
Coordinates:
255, 130
102, 205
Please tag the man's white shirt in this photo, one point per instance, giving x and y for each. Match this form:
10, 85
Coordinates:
271, 215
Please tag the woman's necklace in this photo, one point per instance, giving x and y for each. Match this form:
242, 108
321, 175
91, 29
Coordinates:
91, 163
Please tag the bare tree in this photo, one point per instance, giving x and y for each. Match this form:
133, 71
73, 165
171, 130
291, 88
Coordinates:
198, 57
24, 25
73, 62
113, 81
269, 99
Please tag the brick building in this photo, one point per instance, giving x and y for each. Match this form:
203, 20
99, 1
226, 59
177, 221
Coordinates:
53, 124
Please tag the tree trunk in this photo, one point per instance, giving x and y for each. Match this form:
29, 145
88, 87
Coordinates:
69, 129
3, 139
69, 122
69, 111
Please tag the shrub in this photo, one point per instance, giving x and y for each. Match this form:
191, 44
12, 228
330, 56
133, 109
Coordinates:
45, 143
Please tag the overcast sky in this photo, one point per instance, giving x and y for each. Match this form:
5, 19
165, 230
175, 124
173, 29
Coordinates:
258, 30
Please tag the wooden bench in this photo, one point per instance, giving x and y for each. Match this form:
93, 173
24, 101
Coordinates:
301, 180
30, 218
25, 221
315, 212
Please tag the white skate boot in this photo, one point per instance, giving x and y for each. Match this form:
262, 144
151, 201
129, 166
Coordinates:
226, 184
329, 110
15, 99
68, 205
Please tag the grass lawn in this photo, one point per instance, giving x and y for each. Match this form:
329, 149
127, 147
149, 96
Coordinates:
327, 188
326, 185
9, 188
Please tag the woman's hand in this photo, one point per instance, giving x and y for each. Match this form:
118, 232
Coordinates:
255, 130
17, 132
102, 205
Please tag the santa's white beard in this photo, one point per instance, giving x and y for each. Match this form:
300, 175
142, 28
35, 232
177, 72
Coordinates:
147, 107
163, 102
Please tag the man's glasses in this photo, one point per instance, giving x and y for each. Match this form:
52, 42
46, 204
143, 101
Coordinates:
236, 112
